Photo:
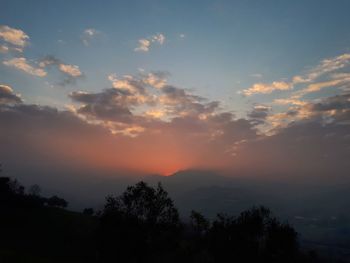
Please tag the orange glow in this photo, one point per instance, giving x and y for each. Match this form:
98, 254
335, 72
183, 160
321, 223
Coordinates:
148, 154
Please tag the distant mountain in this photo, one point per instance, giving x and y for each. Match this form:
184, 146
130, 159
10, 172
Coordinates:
208, 192
211, 192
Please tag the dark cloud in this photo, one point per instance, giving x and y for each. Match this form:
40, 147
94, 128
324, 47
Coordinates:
7, 96
131, 97
305, 151
314, 146
180, 103
177, 94
259, 112
339, 102
109, 105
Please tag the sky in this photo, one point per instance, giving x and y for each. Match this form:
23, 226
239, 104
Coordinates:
249, 88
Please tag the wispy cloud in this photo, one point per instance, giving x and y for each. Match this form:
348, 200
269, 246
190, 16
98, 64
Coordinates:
325, 67
335, 109
159, 38
155, 79
264, 88
89, 35
4, 49
297, 106
12, 39
146, 43
71, 72
23, 65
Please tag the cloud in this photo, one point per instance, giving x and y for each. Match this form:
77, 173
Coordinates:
159, 38
128, 83
108, 105
22, 64
156, 79
334, 109
263, 88
7, 96
337, 81
4, 49
16, 38
89, 35
156, 113
292, 101
325, 67
110, 130
145, 102
120, 108
71, 72
145, 43
182, 35
259, 112
179, 102
303, 151
299, 106
117, 138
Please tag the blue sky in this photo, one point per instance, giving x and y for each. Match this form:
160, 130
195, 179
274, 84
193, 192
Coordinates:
225, 42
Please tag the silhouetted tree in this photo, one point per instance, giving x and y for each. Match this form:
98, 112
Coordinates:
281, 242
253, 236
5, 185
55, 201
197, 241
16, 187
88, 211
141, 225
199, 223
34, 190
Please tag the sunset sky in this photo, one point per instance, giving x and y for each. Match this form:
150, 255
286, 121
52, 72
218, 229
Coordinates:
257, 88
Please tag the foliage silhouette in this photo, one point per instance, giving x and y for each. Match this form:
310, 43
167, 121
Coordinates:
55, 201
253, 236
140, 225
88, 211
34, 190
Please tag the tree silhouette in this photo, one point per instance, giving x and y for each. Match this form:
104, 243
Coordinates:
253, 236
55, 201
144, 203
199, 223
34, 190
141, 224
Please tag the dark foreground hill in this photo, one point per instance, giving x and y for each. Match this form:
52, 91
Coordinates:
140, 225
